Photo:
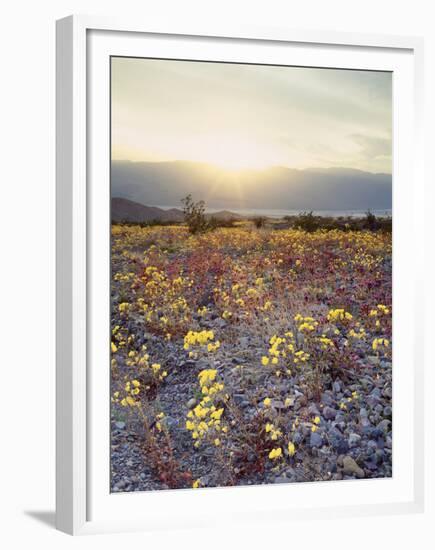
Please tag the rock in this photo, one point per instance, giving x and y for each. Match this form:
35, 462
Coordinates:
120, 485
120, 425
316, 439
191, 403
373, 400
313, 410
297, 438
329, 413
340, 417
354, 440
384, 425
277, 404
220, 323
338, 442
327, 399
376, 392
387, 411
171, 422
387, 392
350, 467
336, 386
281, 479
188, 364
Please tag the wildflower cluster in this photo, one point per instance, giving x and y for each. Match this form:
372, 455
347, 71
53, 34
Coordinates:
130, 394
205, 420
335, 315
305, 324
281, 353
202, 339
150, 373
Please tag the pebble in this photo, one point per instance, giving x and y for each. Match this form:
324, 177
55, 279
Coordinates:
316, 439
350, 467
120, 425
354, 440
329, 413
384, 425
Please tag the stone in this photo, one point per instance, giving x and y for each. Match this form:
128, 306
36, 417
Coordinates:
277, 404
297, 438
387, 392
384, 425
387, 411
350, 467
221, 323
338, 442
329, 413
354, 440
313, 410
327, 399
372, 401
191, 403
316, 439
120, 425
281, 479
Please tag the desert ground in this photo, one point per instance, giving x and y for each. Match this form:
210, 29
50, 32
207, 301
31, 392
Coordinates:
249, 355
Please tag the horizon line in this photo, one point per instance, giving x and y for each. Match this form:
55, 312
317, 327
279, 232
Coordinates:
236, 170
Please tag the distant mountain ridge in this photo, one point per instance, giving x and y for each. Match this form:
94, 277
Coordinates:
131, 211
125, 210
272, 188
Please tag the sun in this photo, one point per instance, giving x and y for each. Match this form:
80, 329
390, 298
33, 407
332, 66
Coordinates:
235, 154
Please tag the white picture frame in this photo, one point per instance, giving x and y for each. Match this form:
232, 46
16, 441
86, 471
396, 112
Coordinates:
84, 503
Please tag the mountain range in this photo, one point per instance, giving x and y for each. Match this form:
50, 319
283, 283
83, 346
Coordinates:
282, 188
125, 210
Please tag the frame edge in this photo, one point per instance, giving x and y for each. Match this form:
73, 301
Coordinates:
70, 277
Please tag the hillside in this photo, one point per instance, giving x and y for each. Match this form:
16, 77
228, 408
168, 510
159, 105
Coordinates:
272, 188
130, 211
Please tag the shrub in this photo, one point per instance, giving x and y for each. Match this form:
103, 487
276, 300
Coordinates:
194, 215
307, 222
259, 222
370, 221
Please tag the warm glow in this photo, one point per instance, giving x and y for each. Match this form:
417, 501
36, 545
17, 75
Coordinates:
234, 154
241, 117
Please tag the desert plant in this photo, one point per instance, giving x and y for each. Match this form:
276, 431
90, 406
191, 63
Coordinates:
307, 222
370, 221
259, 221
194, 215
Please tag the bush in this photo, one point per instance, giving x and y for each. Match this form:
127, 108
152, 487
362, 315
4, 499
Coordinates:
370, 221
194, 215
259, 222
307, 222
214, 223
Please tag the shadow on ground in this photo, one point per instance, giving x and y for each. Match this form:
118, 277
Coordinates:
47, 517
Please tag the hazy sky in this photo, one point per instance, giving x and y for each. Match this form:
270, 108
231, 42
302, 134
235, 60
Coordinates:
249, 116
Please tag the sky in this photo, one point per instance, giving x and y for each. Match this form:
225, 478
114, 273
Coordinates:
239, 116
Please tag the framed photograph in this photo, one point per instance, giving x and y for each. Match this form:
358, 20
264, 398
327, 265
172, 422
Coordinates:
239, 275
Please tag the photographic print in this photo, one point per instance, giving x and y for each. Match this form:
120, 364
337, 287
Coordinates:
251, 274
